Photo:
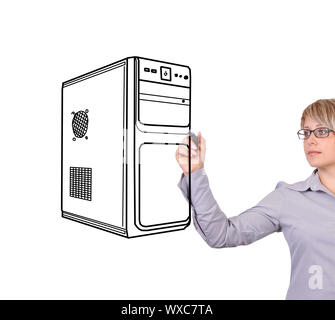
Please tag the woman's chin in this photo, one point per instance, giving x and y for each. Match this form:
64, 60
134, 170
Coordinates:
314, 163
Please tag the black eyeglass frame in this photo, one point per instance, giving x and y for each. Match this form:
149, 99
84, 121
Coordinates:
310, 132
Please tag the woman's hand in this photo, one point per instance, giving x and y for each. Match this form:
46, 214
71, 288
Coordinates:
197, 154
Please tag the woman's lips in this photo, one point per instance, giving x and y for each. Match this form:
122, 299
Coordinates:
313, 153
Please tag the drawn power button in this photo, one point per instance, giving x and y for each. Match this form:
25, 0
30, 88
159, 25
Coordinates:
166, 73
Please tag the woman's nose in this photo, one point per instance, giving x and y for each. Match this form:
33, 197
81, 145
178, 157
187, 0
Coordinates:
312, 139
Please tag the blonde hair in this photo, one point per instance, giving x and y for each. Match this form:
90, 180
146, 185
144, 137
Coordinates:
322, 111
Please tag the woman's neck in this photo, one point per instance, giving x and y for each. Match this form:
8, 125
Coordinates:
327, 177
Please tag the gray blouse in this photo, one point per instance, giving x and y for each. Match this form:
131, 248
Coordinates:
304, 211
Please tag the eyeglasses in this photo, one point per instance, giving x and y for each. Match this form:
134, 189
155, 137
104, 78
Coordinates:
323, 132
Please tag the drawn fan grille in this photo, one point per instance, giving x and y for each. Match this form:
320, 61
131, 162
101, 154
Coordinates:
80, 124
81, 183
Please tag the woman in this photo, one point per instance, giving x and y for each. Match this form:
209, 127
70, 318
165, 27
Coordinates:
304, 211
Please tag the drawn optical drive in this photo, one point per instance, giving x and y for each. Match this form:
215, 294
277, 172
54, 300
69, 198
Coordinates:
121, 126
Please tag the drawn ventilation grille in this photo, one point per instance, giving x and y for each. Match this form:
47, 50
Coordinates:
80, 124
81, 183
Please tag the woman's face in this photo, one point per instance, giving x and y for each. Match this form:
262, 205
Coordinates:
325, 146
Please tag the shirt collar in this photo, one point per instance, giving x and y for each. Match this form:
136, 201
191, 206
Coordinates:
312, 182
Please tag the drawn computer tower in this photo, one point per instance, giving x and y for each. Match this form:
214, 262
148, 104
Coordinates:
121, 126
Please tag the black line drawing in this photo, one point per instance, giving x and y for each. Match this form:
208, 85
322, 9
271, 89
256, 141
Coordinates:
81, 183
80, 124
121, 125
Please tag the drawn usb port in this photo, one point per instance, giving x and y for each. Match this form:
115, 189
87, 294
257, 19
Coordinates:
154, 70
147, 69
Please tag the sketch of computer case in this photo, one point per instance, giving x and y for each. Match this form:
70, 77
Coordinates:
121, 126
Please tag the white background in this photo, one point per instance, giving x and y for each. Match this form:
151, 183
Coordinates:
255, 66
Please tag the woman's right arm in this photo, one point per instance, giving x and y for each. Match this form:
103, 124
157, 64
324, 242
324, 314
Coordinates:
216, 228
209, 220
